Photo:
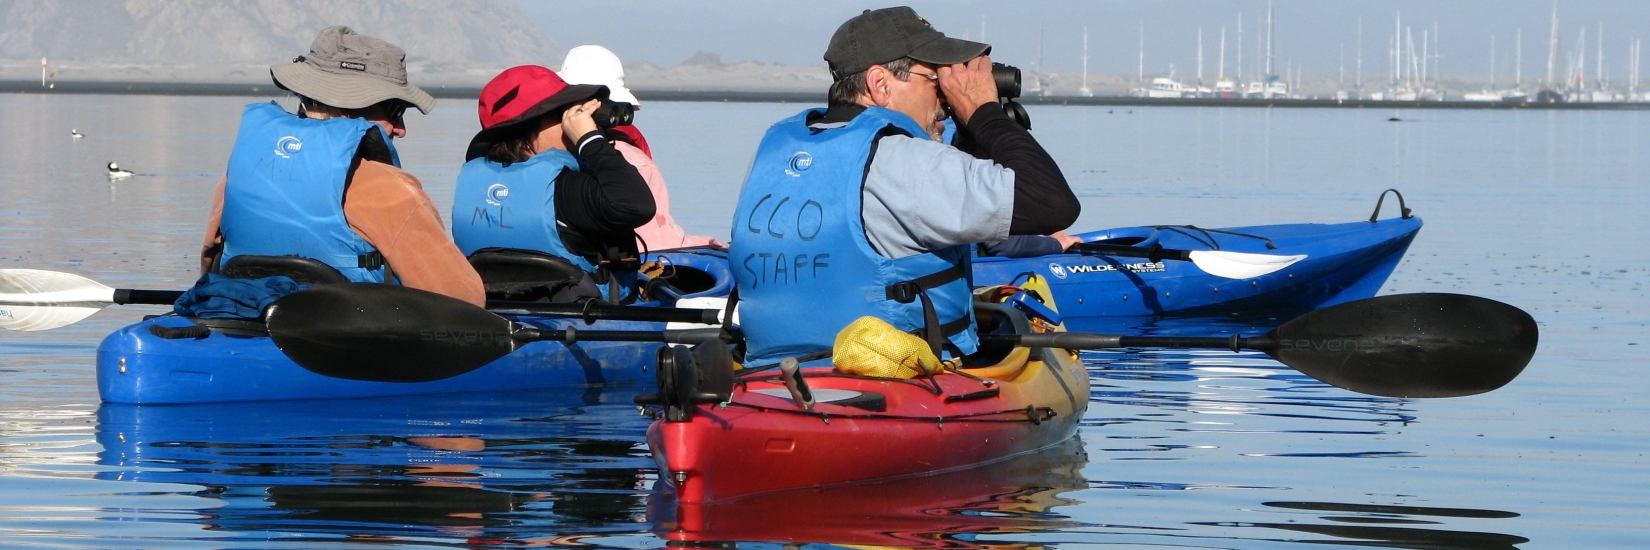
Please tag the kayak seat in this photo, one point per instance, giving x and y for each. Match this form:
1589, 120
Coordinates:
516, 274
688, 280
302, 270
1000, 361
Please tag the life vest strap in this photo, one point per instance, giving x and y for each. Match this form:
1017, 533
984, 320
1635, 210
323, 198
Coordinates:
906, 291
371, 260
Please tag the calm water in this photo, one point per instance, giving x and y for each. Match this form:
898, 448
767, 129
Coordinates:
1544, 210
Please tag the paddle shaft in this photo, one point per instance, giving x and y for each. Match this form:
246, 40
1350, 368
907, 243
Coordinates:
592, 312
150, 297
1079, 340
573, 335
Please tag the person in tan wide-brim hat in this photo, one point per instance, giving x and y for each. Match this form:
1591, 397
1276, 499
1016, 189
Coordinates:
351, 71
324, 185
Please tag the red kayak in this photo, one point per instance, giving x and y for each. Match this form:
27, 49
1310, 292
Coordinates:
864, 429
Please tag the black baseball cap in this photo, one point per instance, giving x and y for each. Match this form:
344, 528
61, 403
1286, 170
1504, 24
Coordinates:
880, 36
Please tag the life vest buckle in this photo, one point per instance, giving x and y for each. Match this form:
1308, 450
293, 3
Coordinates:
904, 292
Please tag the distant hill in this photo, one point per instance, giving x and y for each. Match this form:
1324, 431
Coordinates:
235, 40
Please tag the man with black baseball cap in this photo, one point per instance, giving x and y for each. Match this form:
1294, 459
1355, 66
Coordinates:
862, 207
326, 184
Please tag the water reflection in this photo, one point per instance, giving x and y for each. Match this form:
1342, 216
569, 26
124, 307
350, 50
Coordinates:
1393, 526
550, 467
523, 465
954, 510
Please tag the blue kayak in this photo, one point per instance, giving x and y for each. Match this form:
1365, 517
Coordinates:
1342, 262
237, 361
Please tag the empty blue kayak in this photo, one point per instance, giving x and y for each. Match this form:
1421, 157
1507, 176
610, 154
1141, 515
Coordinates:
1342, 262
237, 361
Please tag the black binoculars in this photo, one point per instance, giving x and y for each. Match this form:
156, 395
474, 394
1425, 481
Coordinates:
614, 113
1008, 88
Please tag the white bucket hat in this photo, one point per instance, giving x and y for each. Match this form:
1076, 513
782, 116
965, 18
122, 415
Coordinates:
597, 65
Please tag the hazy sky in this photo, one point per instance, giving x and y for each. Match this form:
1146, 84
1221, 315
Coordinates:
1309, 32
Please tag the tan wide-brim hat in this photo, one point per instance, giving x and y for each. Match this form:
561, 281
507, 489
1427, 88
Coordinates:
351, 71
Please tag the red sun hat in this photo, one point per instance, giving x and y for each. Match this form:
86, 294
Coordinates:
520, 94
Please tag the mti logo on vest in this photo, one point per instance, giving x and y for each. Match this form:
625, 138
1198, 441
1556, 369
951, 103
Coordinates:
288, 146
497, 193
800, 162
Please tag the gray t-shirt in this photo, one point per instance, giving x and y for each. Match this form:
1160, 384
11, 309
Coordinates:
921, 195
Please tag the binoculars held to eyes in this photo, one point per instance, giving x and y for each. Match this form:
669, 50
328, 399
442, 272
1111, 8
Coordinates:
1008, 88
614, 113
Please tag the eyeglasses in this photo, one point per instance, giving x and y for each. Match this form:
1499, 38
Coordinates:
930, 76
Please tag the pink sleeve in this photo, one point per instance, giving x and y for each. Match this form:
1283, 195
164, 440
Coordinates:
661, 232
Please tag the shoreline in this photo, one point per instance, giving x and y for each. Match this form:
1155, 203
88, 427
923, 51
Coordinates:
469, 92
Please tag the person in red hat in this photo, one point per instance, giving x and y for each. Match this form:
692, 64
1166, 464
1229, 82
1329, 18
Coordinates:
592, 64
541, 179
325, 184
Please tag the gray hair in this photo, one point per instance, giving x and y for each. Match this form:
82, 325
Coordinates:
846, 90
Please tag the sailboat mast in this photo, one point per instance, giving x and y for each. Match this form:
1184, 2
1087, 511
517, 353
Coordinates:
1425, 42
1518, 68
1360, 77
1398, 50
1552, 47
1269, 33
1222, 76
1084, 91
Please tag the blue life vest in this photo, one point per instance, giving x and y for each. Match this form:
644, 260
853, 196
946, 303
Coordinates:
498, 206
804, 266
284, 194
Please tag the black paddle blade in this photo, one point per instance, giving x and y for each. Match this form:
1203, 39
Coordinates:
1408, 345
386, 333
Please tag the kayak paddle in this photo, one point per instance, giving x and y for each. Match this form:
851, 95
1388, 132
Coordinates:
1220, 263
33, 300
1403, 345
388, 333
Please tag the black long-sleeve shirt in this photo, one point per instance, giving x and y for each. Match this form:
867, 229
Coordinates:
1043, 201
599, 207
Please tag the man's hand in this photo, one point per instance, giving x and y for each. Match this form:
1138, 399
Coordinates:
577, 120
967, 86
1066, 241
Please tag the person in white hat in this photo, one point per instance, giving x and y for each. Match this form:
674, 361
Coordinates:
598, 65
325, 183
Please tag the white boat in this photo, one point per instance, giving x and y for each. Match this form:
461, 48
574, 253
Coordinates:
1486, 95
1168, 88
1226, 89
